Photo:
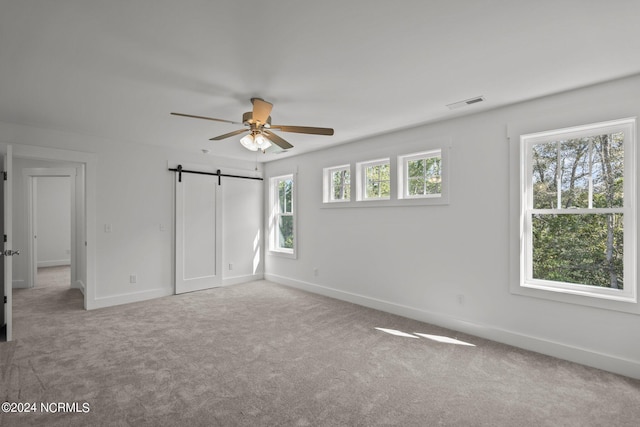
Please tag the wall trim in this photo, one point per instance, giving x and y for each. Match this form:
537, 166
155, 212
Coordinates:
228, 281
54, 263
78, 285
103, 302
19, 284
606, 362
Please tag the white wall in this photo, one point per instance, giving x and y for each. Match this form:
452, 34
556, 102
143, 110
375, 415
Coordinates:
133, 193
242, 232
53, 213
417, 261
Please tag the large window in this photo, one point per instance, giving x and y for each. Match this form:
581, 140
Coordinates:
420, 175
374, 179
578, 210
283, 215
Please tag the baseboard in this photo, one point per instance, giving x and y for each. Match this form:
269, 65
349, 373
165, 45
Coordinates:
228, 281
606, 362
103, 302
54, 263
19, 284
79, 285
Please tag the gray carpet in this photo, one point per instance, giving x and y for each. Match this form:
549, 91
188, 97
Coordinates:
59, 276
259, 354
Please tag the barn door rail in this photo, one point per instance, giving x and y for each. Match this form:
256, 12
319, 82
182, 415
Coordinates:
217, 173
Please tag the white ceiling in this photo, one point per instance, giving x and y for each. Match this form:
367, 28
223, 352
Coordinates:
117, 68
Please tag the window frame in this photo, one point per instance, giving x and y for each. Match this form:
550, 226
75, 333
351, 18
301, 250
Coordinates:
395, 177
276, 214
629, 211
361, 179
329, 187
403, 174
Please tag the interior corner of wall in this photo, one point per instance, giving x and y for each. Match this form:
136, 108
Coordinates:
78, 284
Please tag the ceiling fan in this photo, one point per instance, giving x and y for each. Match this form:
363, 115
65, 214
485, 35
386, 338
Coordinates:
258, 124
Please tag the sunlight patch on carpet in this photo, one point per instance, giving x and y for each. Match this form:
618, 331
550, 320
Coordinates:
443, 339
437, 338
396, 332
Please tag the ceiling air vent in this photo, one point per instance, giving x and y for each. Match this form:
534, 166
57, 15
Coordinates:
465, 102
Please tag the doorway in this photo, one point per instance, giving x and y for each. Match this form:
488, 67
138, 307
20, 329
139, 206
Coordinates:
52, 209
54, 216
16, 233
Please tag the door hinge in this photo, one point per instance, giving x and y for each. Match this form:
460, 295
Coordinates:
4, 174
5, 238
5, 299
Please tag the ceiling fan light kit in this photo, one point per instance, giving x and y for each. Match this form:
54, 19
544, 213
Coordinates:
258, 123
255, 142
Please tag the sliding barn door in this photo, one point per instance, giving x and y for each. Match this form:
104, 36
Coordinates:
198, 232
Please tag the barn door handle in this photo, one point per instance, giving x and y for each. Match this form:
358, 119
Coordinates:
9, 252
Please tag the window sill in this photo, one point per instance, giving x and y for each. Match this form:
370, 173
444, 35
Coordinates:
369, 203
283, 253
581, 290
623, 304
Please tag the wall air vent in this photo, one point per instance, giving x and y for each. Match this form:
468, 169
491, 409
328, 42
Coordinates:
466, 102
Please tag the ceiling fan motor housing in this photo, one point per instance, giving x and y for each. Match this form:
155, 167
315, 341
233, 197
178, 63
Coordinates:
247, 119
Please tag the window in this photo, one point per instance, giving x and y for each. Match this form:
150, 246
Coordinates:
337, 184
420, 175
282, 227
578, 210
416, 179
374, 179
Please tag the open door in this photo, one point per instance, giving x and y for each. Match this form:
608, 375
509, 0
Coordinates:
3, 295
7, 223
198, 232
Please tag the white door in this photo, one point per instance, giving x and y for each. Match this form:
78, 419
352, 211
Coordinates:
198, 232
8, 224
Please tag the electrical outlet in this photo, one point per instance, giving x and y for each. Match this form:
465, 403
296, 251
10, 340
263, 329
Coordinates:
133, 278
315, 271
460, 299
107, 228
230, 266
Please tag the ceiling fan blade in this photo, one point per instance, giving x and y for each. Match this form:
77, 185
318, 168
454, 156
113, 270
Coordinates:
274, 149
261, 110
227, 135
303, 129
277, 140
206, 118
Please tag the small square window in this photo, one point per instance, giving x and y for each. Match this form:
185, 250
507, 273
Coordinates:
374, 180
420, 175
337, 184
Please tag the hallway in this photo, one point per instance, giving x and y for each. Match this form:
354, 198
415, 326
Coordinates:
54, 277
